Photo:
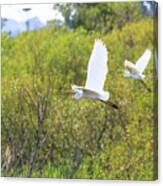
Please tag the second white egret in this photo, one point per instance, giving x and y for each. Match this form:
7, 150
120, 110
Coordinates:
135, 71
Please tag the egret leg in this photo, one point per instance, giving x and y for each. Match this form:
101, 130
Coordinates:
145, 85
110, 104
113, 105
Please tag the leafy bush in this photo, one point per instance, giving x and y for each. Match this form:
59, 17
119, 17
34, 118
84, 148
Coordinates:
45, 133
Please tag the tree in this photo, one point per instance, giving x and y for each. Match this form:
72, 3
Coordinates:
101, 17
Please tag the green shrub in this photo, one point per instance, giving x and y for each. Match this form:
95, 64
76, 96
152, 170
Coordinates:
45, 133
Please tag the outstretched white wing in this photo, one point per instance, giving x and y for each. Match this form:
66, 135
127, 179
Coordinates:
97, 67
143, 61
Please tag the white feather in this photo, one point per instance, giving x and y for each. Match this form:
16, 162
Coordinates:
97, 67
143, 61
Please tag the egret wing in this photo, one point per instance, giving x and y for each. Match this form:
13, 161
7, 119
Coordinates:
143, 61
129, 65
97, 67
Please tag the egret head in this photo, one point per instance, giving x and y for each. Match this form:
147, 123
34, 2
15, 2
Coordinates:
78, 94
104, 96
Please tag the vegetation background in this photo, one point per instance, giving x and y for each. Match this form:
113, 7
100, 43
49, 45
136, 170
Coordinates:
45, 133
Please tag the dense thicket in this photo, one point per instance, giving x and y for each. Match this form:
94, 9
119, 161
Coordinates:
46, 133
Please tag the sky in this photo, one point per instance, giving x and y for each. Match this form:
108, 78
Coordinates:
44, 12
147, 5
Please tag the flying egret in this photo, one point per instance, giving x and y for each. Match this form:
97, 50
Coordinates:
96, 75
135, 71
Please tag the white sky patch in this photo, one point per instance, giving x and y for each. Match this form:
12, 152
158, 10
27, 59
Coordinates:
44, 12
147, 5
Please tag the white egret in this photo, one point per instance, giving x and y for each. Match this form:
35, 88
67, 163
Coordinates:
135, 71
96, 75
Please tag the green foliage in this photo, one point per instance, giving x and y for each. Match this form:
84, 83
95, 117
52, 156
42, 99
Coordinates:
45, 133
